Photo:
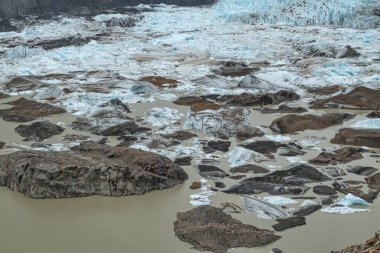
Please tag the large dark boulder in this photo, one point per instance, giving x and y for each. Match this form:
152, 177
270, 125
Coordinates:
208, 228
89, 169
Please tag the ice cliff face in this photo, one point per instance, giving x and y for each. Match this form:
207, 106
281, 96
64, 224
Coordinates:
12, 8
341, 13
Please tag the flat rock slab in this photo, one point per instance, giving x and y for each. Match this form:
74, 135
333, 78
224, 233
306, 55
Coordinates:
89, 169
38, 131
359, 98
363, 170
358, 137
343, 155
284, 109
287, 223
249, 168
323, 190
290, 181
180, 135
208, 228
209, 171
25, 110
293, 123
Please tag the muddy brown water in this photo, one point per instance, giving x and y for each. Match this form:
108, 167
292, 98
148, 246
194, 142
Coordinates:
137, 224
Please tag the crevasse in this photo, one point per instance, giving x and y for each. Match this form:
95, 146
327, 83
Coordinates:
339, 13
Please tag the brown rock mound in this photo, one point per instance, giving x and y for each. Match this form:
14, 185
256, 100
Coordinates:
160, 81
344, 155
208, 228
25, 110
89, 169
370, 246
359, 98
293, 123
358, 137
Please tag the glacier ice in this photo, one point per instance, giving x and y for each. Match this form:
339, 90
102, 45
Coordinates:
162, 116
22, 52
341, 13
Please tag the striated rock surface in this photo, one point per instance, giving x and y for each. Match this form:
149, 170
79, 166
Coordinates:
39, 131
208, 228
89, 169
359, 98
293, 123
358, 137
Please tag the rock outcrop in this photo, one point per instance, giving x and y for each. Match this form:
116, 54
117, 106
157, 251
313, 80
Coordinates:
38, 131
25, 110
89, 169
359, 98
208, 228
289, 181
358, 137
293, 123
343, 155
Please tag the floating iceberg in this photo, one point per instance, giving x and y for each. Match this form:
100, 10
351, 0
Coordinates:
240, 156
342, 206
202, 198
350, 200
279, 201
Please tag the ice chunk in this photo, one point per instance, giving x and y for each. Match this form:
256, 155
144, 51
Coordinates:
368, 123
262, 209
202, 197
350, 199
162, 116
342, 206
342, 210
240, 156
279, 201
277, 138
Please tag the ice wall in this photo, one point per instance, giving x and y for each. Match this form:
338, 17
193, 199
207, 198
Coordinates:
340, 13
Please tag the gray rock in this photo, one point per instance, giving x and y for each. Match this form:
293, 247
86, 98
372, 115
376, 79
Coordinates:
38, 131
89, 169
287, 223
323, 190
363, 170
209, 171
249, 168
289, 181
